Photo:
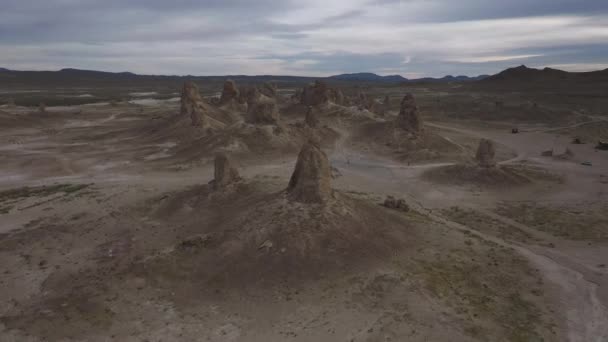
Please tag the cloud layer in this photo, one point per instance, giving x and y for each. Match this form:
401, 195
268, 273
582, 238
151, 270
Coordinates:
210, 37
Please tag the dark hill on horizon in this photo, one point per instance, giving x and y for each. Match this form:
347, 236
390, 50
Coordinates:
524, 74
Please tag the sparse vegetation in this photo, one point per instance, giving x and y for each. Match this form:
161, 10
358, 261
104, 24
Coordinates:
8, 198
587, 223
480, 282
486, 224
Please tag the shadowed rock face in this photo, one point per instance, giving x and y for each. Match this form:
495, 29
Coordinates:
409, 118
311, 119
229, 93
485, 153
310, 181
192, 104
225, 172
42, 107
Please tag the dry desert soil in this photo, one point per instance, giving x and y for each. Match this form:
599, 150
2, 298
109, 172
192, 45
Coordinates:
111, 228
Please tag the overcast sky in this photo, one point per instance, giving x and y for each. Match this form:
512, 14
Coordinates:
413, 38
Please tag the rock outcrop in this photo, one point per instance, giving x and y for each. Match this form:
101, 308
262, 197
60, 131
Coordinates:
319, 93
311, 178
315, 94
485, 153
225, 172
261, 108
409, 117
252, 96
192, 105
229, 93
336, 96
42, 107
397, 204
263, 112
365, 102
311, 120
269, 89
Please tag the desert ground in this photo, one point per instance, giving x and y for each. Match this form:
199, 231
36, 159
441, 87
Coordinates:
112, 226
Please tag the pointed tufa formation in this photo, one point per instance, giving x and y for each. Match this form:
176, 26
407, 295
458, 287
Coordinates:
42, 107
311, 119
229, 93
336, 96
310, 181
387, 101
485, 153
385, 107
192, 104
225, 172
409, 117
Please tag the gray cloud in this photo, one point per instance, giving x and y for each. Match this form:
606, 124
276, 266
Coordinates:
316, 37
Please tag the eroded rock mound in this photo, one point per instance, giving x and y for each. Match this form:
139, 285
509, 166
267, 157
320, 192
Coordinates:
485, 153
264, 112
311, 179
192, 104
409, 117
229, 93
225, 172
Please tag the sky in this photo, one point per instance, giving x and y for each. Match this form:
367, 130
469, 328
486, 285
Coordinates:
412, 38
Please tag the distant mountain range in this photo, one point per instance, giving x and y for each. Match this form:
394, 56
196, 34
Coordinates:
71, 76
77, 77
371, 77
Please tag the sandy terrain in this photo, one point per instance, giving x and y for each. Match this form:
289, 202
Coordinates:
109, 231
